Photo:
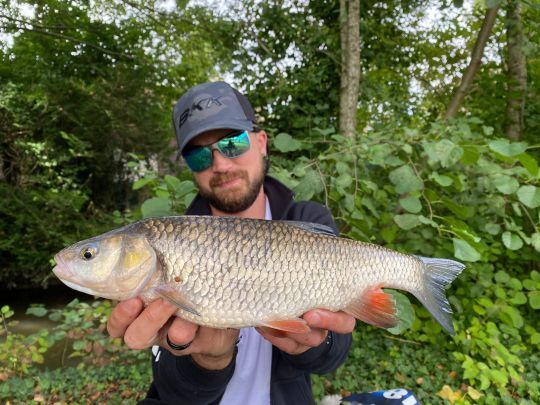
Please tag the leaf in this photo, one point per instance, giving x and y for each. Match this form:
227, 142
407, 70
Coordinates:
505, 184
308, 185
492, 229
37, 311
461, 211
534, 299
407, 221
474, 394
79, 345
470, 155
405, 312
173, 182
535, 241
405, 180
464, 251
442, 180
378, 153
512, 241
491, 4
529, 196
498, 376
505, 148
515, 317
285, 143
411, 204
445, 152
142, 182
447, 393
502, 277
529, 163
156, 207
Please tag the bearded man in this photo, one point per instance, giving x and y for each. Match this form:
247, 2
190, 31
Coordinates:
226, 151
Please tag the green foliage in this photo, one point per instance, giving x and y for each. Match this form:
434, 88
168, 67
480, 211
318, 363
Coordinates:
105, 371
446, 191
83, 86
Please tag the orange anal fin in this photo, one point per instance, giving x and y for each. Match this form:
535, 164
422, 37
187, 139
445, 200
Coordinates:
375, 307
175, 297
296, 325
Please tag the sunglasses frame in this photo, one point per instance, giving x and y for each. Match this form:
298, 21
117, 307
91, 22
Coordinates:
214, 146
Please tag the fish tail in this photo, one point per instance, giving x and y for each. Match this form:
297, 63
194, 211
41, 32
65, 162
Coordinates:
438, 274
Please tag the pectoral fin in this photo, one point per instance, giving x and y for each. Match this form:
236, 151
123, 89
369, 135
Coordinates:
296, 325
175, 297
375, 307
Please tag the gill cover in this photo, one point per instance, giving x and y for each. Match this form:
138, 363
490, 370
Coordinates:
114, 265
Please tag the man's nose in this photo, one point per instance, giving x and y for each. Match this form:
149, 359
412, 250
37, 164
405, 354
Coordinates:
220, 163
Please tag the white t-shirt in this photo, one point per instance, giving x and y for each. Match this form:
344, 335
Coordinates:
250, 383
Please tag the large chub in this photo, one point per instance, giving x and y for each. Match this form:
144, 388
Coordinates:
438, 274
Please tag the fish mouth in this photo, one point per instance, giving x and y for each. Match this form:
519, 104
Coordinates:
61, 269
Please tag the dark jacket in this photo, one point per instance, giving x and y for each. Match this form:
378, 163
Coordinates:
178, 380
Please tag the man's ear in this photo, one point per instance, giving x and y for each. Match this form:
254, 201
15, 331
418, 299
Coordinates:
262, 140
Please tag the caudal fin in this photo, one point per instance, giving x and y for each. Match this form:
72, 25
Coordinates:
438, 274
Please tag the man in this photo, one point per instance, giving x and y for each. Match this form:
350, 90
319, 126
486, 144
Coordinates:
218, 138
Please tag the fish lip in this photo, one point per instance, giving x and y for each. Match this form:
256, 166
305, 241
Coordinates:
61, 269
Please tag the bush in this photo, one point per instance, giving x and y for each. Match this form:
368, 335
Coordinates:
453, 191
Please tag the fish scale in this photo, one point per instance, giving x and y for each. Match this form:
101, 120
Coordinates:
233, 272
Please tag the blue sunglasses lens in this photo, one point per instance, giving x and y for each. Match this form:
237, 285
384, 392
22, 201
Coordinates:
200, 158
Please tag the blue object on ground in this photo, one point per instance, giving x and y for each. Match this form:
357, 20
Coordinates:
396, 396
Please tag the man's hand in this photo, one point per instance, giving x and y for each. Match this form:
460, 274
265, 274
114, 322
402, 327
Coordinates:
321, 321
141, 328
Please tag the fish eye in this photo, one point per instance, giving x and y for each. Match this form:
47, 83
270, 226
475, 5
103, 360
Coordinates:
88, 252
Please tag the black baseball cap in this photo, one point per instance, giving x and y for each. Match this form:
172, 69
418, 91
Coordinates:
210, 106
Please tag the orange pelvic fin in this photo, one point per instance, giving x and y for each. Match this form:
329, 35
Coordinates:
296, 325
375, 307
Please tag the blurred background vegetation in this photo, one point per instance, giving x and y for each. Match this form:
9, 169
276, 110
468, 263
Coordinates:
86, 144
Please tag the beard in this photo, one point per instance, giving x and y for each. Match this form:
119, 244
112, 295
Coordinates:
233, 201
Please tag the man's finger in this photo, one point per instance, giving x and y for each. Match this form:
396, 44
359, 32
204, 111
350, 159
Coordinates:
144, 330
339, 322
311, 339
282, 342
181, 332
122, 315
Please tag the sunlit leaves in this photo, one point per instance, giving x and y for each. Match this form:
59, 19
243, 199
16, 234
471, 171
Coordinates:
411, 204
442, 180
444, 152
405, 312
464, 251
512, 241
506, 148
529, 196
309, 185
156, 207
407, 221
286, 143
505, 184
405, 180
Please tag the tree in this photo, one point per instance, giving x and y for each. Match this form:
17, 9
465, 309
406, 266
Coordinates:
349, 16
474, 64
516, 71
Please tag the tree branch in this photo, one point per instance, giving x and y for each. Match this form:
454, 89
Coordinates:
474, 65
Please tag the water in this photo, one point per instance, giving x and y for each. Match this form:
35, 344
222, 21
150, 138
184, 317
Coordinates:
53, 298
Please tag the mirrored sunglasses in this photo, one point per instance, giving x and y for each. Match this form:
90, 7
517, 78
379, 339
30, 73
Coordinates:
199, 158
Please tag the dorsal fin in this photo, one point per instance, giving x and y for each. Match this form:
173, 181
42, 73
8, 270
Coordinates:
311, 227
